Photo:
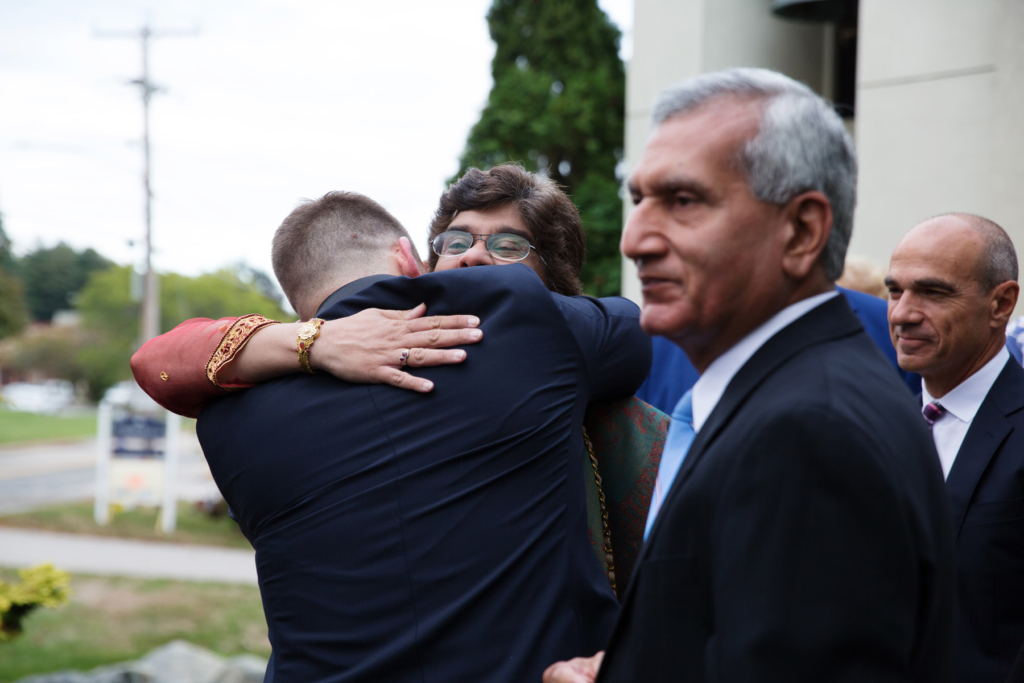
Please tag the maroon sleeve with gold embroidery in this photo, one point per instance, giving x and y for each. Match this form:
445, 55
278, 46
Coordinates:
179, 369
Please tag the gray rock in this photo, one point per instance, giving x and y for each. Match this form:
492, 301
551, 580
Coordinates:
244, 669
181, 662
175, 662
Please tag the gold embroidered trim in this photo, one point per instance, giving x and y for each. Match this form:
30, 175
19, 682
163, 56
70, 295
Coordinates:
234, 340
607, 546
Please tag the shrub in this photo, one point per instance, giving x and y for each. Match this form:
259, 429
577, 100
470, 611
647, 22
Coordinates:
41, 586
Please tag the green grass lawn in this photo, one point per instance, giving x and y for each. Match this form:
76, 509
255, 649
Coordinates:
15, 426
113, 619
193, 526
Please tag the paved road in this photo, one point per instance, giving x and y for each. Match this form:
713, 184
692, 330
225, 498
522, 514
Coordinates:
39, 475
42, 474
118, 557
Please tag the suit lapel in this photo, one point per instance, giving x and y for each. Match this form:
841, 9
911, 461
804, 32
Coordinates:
831, 320
987, 432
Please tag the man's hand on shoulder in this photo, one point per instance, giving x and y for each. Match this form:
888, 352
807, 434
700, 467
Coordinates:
578, 670
367, 348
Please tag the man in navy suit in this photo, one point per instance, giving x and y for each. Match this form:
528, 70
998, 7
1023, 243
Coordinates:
1017, 674
799, 528
672, 373
953, 287
425, 537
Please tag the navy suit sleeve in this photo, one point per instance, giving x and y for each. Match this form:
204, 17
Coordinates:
616, 352
1017, 673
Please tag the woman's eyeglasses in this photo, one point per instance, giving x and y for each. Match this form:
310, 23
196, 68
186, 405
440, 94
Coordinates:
501, 245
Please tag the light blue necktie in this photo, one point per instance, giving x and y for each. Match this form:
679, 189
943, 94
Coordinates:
677, 443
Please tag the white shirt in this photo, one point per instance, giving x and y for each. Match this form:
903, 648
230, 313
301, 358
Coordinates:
708, 390
962, 404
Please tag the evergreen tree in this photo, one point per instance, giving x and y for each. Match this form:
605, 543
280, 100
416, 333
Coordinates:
557, 107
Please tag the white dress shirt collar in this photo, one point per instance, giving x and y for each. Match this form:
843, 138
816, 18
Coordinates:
708, 390
964, 400
962, 404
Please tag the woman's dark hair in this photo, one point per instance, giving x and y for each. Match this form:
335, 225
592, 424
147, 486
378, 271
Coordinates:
546, 210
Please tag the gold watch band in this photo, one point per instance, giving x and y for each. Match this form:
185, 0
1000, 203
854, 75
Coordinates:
307, 334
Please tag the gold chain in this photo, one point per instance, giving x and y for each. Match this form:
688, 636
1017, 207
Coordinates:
609, 559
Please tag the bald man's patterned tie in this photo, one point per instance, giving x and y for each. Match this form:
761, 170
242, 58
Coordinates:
933, 412
677, 443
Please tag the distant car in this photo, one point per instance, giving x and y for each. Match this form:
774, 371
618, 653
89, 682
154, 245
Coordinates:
129, 394
52, 396
120, 393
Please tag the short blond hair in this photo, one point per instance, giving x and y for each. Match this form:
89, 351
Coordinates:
861, 275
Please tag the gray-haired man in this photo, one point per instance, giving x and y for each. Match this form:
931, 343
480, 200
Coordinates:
800, 527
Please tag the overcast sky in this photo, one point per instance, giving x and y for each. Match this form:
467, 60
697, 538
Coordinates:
272, 102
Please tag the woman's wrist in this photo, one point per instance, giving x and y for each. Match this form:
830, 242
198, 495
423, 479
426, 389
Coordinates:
270, 353
370, 347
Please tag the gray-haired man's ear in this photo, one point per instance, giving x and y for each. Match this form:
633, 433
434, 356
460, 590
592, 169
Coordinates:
409, 260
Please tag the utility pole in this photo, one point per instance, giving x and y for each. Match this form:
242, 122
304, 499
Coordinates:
151, 283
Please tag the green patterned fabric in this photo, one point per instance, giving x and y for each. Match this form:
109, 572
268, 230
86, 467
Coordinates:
628, 436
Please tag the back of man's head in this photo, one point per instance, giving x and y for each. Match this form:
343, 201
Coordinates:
801, 146
328, 242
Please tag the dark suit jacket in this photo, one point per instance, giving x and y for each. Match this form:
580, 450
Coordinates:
986, 492
1017, 673
438, 537
806, 537
672, 373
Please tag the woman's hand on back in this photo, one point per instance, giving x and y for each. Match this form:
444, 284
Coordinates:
368, 347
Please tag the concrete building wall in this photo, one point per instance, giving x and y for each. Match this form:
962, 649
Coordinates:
939, 116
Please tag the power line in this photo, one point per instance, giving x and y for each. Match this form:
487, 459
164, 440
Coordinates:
150, 291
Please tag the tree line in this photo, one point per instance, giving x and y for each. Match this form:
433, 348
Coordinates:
93, 351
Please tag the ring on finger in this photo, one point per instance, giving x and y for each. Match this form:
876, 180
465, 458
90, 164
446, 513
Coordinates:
403, 357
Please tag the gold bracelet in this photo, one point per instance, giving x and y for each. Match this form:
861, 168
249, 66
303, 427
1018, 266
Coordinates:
308, 333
